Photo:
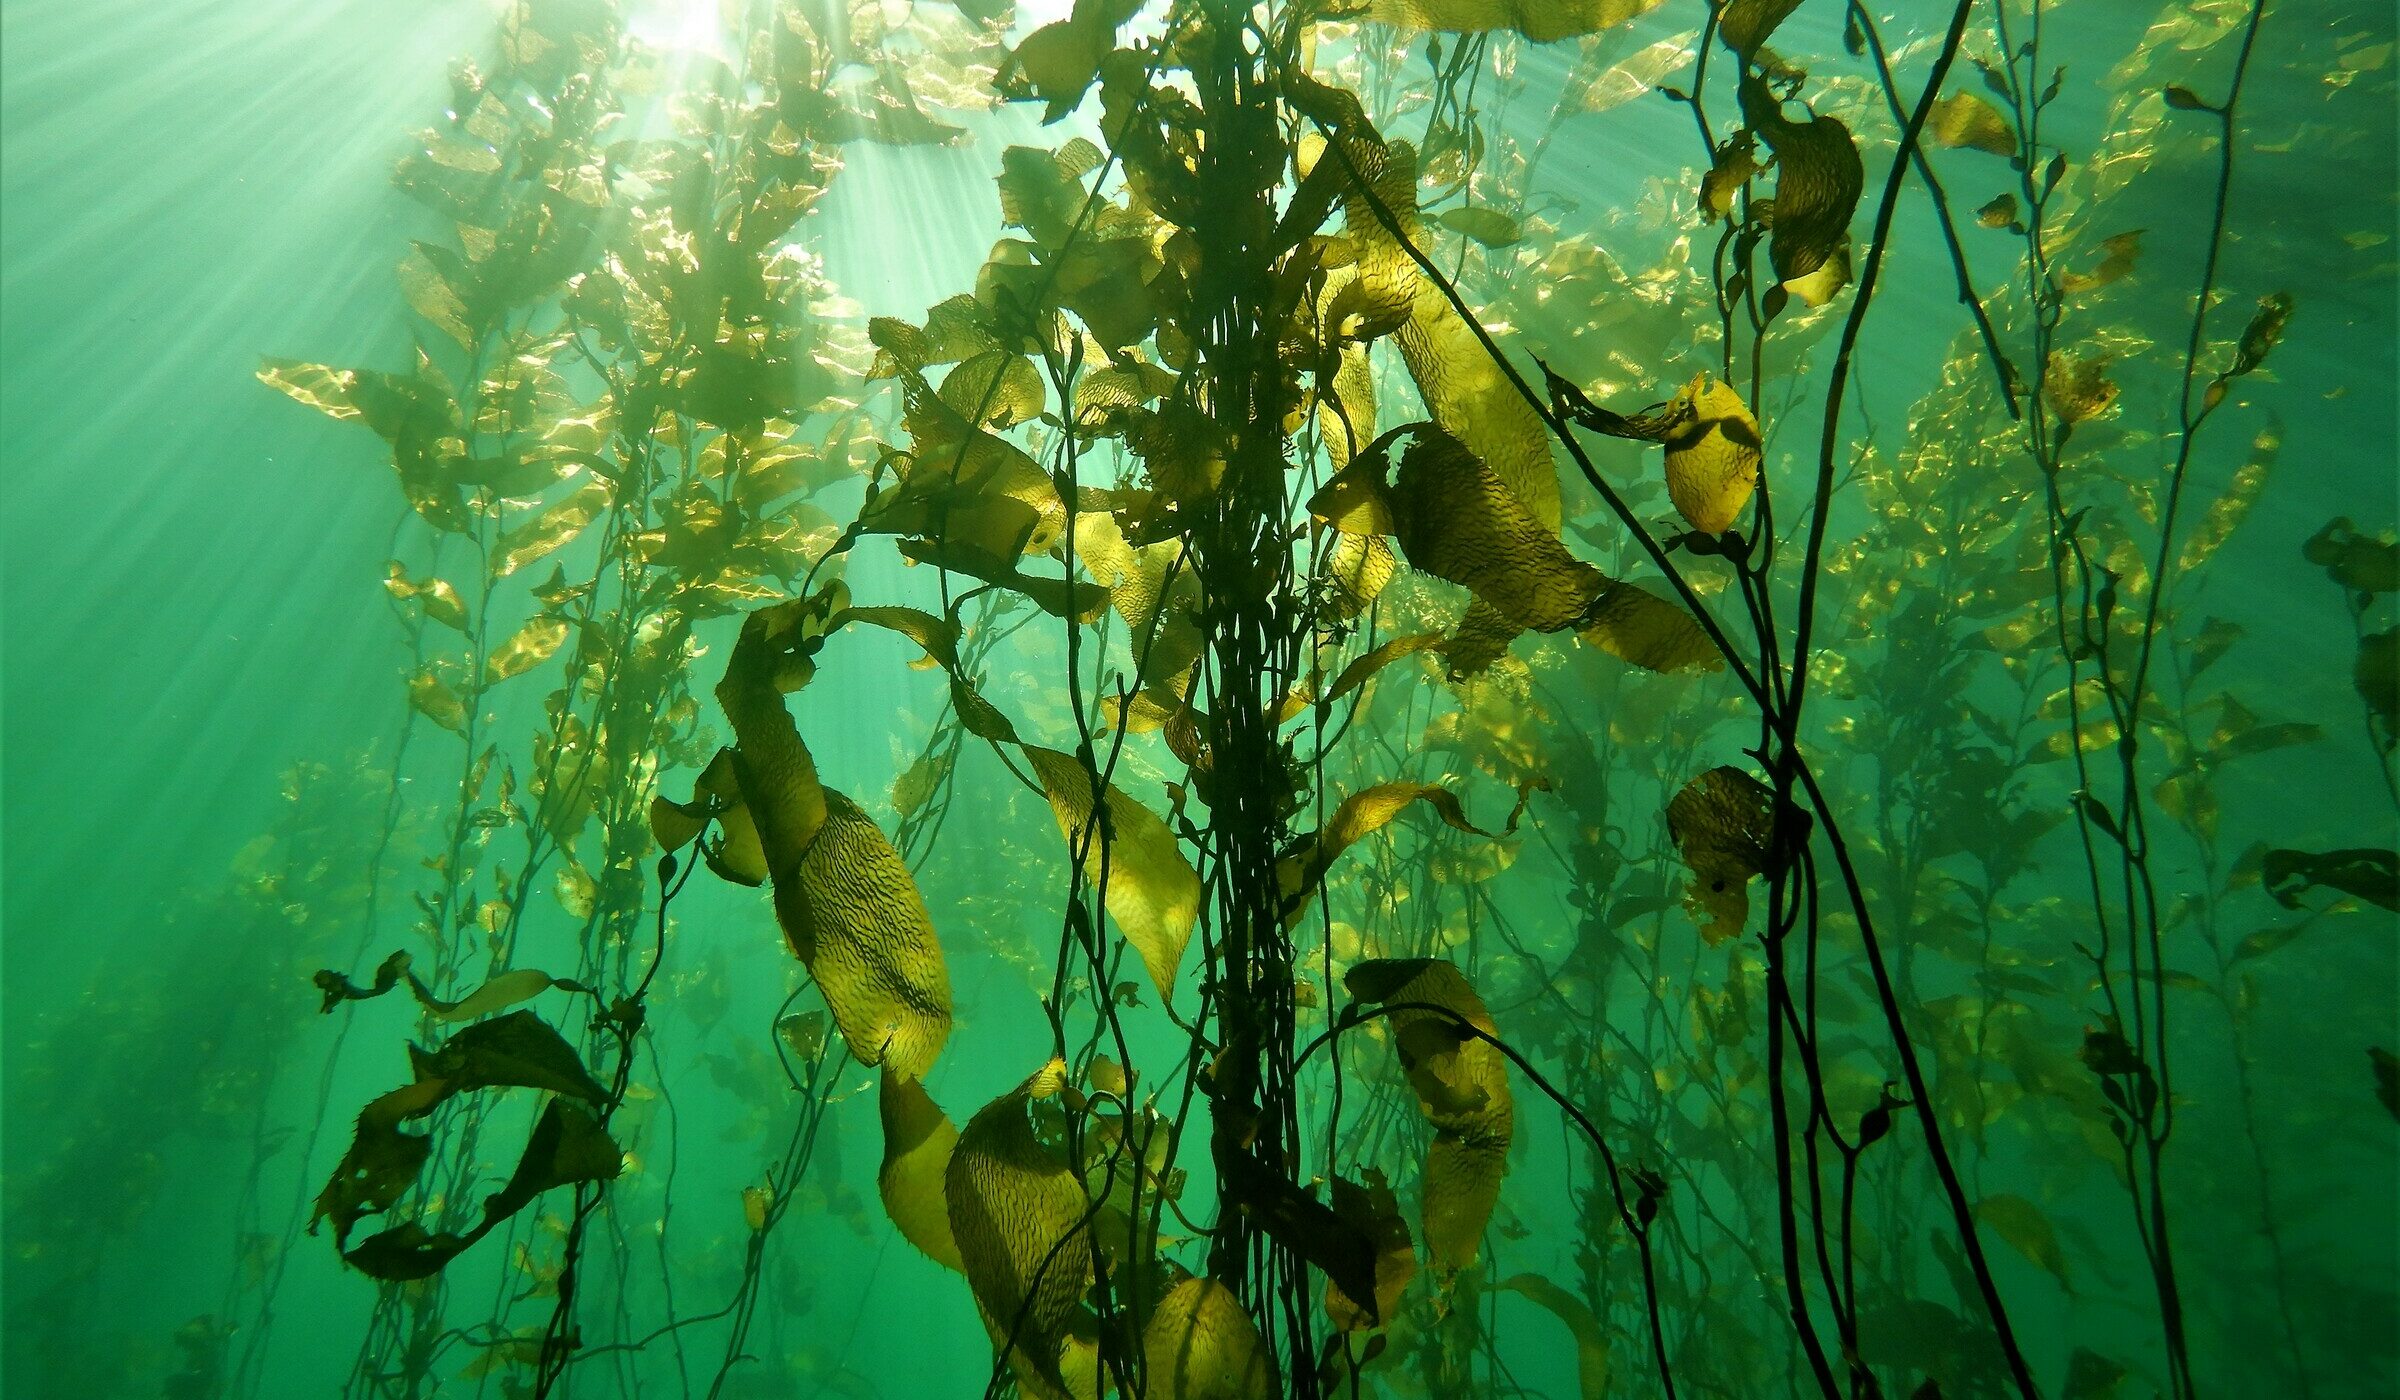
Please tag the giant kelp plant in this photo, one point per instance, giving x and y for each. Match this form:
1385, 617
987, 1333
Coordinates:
1547, 654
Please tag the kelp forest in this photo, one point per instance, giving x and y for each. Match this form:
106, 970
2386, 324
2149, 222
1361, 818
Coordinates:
1335, 698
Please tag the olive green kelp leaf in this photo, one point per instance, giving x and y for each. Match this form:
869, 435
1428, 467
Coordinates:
1746, 24
1457, 520
1462, 1086
1539, 20
917, 1143
735, 853
1721, 822
848, 907
1818, 178
1152, 892
1016, 1211
1360, 815
1463, 390
1200, 1345
383, 1160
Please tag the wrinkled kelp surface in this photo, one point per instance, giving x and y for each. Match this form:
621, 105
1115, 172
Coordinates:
1397, 698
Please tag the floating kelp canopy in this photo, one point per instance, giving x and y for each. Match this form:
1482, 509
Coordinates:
1500, 654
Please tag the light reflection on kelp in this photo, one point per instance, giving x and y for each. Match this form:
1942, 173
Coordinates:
1600, 655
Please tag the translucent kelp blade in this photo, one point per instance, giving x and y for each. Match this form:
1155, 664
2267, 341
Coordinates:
849, 909
1370, 1207
1462, 1086
1152, 892
1539, 20
1201, 1345
1016, 1211
917, 1143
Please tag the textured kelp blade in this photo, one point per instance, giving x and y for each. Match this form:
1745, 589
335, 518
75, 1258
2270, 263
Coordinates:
1152, 892
1712, 455
1462, 1086
1201, 1345
529, 646
849, 909
851, 912
736, 854
1966, 119
1456, 519
1016, 1211
1539, 20
498, 994
1591, 1339
518, 1050
1640, 628
1817, 183
1360, 815
382, 1161
1746, 24
917, 1142
1464, 391
1721, 822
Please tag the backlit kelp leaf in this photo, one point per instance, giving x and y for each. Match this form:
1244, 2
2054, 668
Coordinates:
1591, 1338
1369, 1207
1721, 823
436, 597
2027, 1230
2358, 562
432, 697
2000, 212
1200, 1345
1016, 1211
1746, 24
996, 389
538, 537
504, 990
1638, 627
1456, 519
1358, 672
1360, 815
848, 907
1463, 390
518, 1050
1071, 599
736, 853
321, 387
1965, 119
531, 645
1488, 226
1712, 448
917, 1143
1057, 62
1539, 20
1818, 178
2260, 337
1721, 187
1462, 1086
2367, 873
432, 293
2078, 389
1152, 893
2226, 513
2118, 255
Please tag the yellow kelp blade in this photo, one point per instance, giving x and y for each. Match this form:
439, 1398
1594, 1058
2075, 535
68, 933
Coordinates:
1539, 20
917, 1143
1152, 892
848, 907
1201, 1345
1818, 178
1462, 1086
1360, 815
1016, 1211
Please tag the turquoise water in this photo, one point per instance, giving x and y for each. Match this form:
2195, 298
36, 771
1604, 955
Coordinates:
216, 784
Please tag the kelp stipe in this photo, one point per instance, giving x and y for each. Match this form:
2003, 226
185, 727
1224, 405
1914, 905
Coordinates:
1232, 493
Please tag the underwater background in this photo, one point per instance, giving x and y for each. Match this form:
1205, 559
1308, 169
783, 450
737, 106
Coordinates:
1465, 922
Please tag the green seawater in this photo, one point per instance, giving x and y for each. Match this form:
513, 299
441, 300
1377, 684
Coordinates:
2147, 986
